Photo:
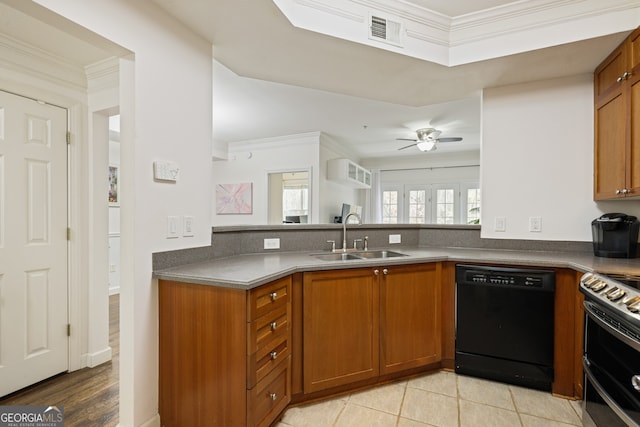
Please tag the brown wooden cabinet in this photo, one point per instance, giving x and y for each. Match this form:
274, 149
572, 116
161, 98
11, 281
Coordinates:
366, 322
340, 328
410, 317
224, 354
617, 122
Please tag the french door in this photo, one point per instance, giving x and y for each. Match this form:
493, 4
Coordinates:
446, 203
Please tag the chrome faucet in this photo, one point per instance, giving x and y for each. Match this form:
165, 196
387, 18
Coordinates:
344, 229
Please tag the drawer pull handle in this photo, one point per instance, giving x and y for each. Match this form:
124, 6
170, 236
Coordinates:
635, 382
274, 355
385, 271
274, 326
273, 296
273, 396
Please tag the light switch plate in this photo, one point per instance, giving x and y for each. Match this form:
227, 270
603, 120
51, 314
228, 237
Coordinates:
173, 227
500, 224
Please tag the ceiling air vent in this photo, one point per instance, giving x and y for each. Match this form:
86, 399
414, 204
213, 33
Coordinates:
385, 30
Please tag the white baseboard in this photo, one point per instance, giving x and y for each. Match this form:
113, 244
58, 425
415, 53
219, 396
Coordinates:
98, 358
152, 422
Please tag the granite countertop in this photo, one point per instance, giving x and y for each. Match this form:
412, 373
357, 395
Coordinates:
252, 270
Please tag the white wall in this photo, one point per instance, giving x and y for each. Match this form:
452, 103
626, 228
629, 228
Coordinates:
537, 160
334, 194
166, 115
252, 161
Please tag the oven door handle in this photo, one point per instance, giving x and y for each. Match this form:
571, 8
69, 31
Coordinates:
613, 331
605, 396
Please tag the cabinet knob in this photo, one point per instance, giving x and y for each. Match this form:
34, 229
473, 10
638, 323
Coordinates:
618, 191
376, 272
623, 77
385, 271
635, 382
273, 396
274, 326
273, 355
273, 296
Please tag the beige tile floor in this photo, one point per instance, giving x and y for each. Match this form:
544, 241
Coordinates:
441, 399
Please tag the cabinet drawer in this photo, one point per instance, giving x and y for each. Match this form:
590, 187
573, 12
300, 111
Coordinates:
267, 399
266, 328
268, 297
260, 363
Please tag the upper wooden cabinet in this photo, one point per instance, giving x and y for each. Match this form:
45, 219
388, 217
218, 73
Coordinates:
617, 122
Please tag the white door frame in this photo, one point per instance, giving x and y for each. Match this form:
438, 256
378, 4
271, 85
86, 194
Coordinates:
19, 78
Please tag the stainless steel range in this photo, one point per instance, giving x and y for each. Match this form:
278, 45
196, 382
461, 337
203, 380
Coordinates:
612, 350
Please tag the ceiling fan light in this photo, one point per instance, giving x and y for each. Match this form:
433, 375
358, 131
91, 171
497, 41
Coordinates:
427, 134
428, 145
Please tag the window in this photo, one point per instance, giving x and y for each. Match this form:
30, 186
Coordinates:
445, 206
473, 206
417, 206
449, 203
390, 207
295, 200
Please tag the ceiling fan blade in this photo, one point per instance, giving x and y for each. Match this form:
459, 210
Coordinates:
407, 139
450, 139
412, 145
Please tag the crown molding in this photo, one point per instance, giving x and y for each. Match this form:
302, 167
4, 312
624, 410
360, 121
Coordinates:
103, 74
30, 60
470, 37
309, 138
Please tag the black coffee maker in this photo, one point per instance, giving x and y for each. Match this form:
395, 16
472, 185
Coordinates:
615, 235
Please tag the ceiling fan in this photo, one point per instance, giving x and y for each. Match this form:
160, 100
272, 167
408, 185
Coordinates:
427, 139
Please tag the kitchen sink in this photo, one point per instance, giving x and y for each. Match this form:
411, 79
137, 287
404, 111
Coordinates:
378, 254
337, 256
345, 256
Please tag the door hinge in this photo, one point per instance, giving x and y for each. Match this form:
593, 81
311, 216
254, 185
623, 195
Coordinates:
68, 138
68, 329
68, 233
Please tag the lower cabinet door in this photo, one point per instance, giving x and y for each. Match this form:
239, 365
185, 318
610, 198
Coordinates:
340, 328
410, 317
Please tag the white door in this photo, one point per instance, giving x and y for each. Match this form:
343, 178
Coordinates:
33, 242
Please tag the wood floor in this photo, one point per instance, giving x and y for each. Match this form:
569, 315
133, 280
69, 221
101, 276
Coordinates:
89, 396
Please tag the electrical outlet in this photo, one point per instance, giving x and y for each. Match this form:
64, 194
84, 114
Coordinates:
500, 224
535, 224
272, 243
395, 238
187, 226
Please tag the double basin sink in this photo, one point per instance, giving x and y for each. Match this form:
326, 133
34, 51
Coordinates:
346, 256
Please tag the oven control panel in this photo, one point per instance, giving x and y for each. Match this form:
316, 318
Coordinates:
612, 293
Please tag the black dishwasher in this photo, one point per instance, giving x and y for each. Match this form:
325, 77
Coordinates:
504, 324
